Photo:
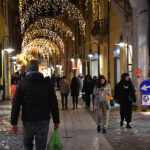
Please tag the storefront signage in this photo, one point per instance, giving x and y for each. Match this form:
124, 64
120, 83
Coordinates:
146, 100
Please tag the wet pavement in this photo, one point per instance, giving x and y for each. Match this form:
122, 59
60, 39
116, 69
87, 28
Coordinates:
78, 130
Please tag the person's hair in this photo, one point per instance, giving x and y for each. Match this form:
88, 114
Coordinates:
98, 81
16, 73
64, 77
124, 75
32, 65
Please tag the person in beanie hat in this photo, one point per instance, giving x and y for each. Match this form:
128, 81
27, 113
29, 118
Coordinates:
38, 100
125, 95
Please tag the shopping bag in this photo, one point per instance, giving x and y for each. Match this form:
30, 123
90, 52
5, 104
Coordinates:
54, 142
112, 101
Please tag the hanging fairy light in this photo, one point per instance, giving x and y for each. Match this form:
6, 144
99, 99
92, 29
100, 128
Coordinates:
52, 24
42, 47
37, 47
39, 8
43, 33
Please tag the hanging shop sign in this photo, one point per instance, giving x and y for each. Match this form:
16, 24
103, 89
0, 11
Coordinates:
74, 65
79, 66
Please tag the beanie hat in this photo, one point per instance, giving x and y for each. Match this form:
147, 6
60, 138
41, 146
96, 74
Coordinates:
32, 66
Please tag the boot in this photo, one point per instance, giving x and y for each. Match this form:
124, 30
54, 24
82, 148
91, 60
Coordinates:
104, 130
128, 126
99, 128
121, 123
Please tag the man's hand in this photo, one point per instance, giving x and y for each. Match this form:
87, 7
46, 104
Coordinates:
14, 129
56, 126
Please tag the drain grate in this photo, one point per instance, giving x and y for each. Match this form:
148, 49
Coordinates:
67, 137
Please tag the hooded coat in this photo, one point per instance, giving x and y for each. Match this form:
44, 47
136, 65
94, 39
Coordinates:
125, 95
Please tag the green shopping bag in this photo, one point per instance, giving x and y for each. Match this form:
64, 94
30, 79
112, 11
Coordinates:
54, 142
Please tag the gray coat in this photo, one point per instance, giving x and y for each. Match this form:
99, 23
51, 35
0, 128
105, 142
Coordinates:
64, 86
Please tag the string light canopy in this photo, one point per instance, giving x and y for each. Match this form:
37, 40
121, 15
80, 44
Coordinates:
41, 46
38, 8
43, 33
38, 47
52, 24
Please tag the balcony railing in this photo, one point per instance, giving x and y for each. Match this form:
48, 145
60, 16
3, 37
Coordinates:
100, 27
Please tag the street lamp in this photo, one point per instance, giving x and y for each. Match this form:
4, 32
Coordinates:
72, 59
14, 57
9, 50
121, 41
90, 53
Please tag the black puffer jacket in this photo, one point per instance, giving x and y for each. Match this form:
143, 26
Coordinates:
37, 98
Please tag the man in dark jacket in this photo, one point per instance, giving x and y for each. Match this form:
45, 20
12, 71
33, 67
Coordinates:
37, 99
125, 94
87, 88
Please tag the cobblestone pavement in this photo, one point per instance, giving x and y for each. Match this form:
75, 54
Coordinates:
78, 131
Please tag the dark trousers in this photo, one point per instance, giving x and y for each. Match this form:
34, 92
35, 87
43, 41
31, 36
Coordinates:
64, 96
35, 130
126, 112
87, 100
75, 101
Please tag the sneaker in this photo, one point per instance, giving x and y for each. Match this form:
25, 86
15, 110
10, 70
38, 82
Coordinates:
121, 123
104, 130
128, 126
98, 128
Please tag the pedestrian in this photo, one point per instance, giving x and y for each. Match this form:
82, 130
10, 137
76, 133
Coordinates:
125, 95
75, 87
93, 85
64, 90
81, 80
14, 82
37, 99
58, 81
53, 80
87, 88
102, 90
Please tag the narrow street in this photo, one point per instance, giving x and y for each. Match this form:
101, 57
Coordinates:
78, 130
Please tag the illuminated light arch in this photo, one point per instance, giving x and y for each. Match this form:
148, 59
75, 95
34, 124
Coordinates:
52, 24
38, 8
43, 33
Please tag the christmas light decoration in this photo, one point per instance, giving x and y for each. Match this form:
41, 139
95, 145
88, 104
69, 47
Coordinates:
39, 8
52, 24
43, 33
43, 47
38, 47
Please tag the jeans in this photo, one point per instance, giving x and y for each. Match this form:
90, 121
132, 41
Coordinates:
37, 130
102, 115
75, 101
88, 100
66, 100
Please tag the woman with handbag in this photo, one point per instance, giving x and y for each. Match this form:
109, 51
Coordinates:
102, 91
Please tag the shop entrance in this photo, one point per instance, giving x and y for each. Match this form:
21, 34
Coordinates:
116, 64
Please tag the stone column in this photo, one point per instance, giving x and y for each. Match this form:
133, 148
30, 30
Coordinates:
140, 39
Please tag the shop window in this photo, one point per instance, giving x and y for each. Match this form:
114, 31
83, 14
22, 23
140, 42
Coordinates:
117, 51
129, 59
116, 64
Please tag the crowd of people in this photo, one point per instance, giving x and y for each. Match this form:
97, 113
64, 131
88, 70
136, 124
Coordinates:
36, 95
